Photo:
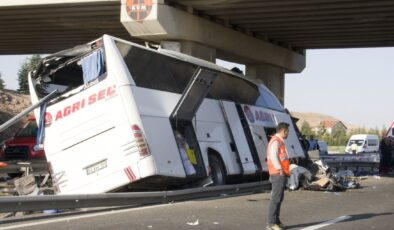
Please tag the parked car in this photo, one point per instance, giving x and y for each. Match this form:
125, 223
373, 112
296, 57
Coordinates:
21, 146
362, 143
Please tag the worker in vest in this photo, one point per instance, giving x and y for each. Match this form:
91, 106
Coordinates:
279, 169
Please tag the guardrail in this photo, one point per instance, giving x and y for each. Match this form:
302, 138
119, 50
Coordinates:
37, 203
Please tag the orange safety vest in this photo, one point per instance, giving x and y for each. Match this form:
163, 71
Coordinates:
283, 157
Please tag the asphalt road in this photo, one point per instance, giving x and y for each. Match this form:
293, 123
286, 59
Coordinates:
371, 207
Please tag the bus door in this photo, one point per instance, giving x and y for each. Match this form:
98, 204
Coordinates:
240, 143
181, 120
292, 142
259, 142
260, 123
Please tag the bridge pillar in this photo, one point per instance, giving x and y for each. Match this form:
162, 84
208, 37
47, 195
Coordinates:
191, 48
272, 76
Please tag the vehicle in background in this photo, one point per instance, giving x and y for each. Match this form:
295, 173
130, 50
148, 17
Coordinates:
322, 147
21, 146
362, 143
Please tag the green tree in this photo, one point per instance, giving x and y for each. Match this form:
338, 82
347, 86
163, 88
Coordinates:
306, 129
2, 84
322, 130
338, 136
383, 131
30, 64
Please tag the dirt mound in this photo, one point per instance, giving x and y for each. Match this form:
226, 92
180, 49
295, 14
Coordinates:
11, 103
314, 119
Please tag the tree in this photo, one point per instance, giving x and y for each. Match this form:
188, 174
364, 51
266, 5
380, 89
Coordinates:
322, 130
2, 84
383, 131
30, 64
338, 136
306, 129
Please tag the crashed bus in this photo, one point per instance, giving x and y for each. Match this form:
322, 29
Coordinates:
128, 116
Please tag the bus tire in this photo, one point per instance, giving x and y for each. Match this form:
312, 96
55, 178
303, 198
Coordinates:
217, 171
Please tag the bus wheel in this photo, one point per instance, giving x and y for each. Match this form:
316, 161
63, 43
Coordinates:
218, 174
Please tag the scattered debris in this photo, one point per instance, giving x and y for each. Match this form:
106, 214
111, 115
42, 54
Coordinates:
193, 223
320, 177
7, 188
26, 185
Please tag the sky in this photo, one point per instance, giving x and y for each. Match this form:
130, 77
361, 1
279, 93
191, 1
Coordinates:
353, 85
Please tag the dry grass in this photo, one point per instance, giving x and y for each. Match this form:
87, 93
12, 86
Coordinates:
336, 149
11, 103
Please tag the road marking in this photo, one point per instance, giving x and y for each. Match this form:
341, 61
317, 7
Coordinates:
324, 224
86, 216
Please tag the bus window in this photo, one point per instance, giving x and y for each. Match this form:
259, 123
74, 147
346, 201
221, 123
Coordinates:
232, 88
154, 70
157, 71
268, 100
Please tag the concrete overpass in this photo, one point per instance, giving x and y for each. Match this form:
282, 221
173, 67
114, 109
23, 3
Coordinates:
269, 37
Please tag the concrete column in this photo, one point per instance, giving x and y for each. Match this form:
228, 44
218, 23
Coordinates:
272, 76
191, 48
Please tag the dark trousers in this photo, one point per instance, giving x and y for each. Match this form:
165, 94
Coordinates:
278, 189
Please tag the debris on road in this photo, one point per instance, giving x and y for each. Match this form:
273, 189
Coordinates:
320, 177
193, 223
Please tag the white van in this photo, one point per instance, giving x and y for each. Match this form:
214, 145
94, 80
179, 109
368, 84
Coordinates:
362, 143
127, 116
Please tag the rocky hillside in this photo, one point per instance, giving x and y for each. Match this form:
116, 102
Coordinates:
314, 119
11, 103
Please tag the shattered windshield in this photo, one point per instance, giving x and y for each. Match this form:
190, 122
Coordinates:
358, 142
70, 69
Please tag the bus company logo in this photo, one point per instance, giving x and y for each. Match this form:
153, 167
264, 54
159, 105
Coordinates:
264, 117
138, 9
48, 119
101, 95
248, 113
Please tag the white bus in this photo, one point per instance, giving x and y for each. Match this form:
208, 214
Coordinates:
127, 116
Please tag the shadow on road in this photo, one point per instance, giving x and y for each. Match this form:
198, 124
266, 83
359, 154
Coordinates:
352, 218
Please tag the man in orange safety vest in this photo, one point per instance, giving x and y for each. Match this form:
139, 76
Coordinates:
279, 169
